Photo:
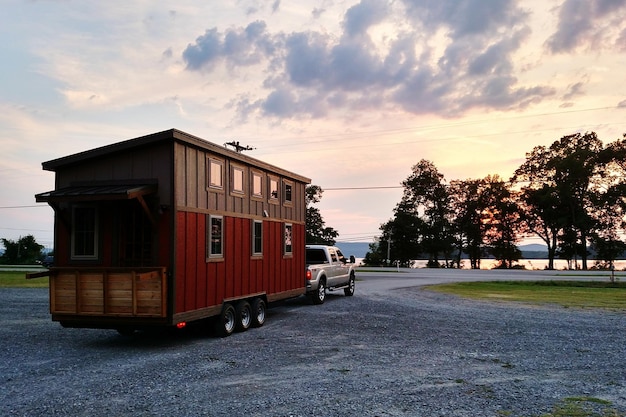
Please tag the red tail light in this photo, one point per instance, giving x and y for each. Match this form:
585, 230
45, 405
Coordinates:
308, 274
181, 325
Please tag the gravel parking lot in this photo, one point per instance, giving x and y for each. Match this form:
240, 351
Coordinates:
387, 351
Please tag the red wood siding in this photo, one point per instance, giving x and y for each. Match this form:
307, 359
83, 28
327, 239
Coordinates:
201, 284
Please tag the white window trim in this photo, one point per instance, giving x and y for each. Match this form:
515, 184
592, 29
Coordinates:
209, 252
220, 163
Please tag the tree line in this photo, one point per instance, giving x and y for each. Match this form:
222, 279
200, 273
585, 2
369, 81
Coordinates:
23, 251
571, 194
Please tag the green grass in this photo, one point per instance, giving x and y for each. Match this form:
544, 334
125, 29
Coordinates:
17, 279
574, 294
583, 407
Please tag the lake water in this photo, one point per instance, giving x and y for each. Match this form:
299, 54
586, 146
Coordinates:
529, 264
532, 264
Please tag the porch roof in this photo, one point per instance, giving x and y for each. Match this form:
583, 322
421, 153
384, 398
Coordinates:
96, 193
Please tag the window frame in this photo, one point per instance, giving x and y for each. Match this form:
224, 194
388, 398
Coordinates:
73, 239
287, 192
257, 238
253, 192
288, 239
273, 192
210, 174
210, 235
233, 179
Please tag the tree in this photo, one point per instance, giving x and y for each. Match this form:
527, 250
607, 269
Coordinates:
503, 221
427, 197
562, 184
469, 204
374, 257
24, 251
316, 230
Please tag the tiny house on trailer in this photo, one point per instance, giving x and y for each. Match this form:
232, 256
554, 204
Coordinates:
168, 228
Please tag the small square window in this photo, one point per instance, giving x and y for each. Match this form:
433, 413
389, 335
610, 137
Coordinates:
288, 188
216, 173
215, 237
257, 237
237, 180
273, 188
257, 184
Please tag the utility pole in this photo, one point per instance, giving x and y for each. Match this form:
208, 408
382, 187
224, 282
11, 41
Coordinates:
237, 147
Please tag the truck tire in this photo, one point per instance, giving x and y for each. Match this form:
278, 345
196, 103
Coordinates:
244, 316
258, 312
227, 320
319, 296
349, 290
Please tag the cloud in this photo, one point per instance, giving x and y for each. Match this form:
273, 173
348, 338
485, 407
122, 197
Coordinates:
310, 73
238, 47
574, 90
466, 17
591, 24
363, 15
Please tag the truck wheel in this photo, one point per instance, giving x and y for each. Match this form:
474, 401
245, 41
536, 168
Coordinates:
227, 319
244, 316
258, 312
319, 296
349, 290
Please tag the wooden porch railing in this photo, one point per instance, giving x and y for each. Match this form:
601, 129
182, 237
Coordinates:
123, 292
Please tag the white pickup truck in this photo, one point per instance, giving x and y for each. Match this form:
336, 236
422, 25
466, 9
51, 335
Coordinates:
327, 268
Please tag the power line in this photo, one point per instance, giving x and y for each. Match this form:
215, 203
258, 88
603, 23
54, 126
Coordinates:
16, 207
361, 188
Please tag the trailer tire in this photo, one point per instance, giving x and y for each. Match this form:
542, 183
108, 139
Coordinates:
227, 320
259, 310
125, 331
319, 295
349, 290
244, 316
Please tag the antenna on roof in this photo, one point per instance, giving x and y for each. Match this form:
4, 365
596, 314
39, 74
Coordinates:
237, 147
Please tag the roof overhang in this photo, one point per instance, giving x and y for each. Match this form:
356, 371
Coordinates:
96, 193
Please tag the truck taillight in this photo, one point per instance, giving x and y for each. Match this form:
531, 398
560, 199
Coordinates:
308, 274
181, 325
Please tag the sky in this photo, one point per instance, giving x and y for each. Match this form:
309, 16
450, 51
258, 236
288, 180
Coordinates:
351, 94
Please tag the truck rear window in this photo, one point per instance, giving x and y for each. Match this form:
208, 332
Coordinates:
315, 256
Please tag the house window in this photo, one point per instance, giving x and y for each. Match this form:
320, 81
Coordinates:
216, 173
288, 239
84, 233
257, 184
288, 188
257, 237
215, 237
237, 180
273, 188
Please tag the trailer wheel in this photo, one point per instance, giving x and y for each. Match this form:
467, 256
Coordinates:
125, 331
227, 319
244, 316
319, 296
258, 312
349, 290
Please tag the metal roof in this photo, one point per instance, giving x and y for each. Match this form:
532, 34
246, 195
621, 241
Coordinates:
97, 192
171, 135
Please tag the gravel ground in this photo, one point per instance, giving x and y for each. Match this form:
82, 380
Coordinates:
405, 352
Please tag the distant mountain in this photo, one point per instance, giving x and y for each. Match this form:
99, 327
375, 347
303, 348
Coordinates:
359, 249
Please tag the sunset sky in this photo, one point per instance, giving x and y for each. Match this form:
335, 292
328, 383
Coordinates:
350, 94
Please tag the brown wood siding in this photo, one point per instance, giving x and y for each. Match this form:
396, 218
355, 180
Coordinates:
193, 193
